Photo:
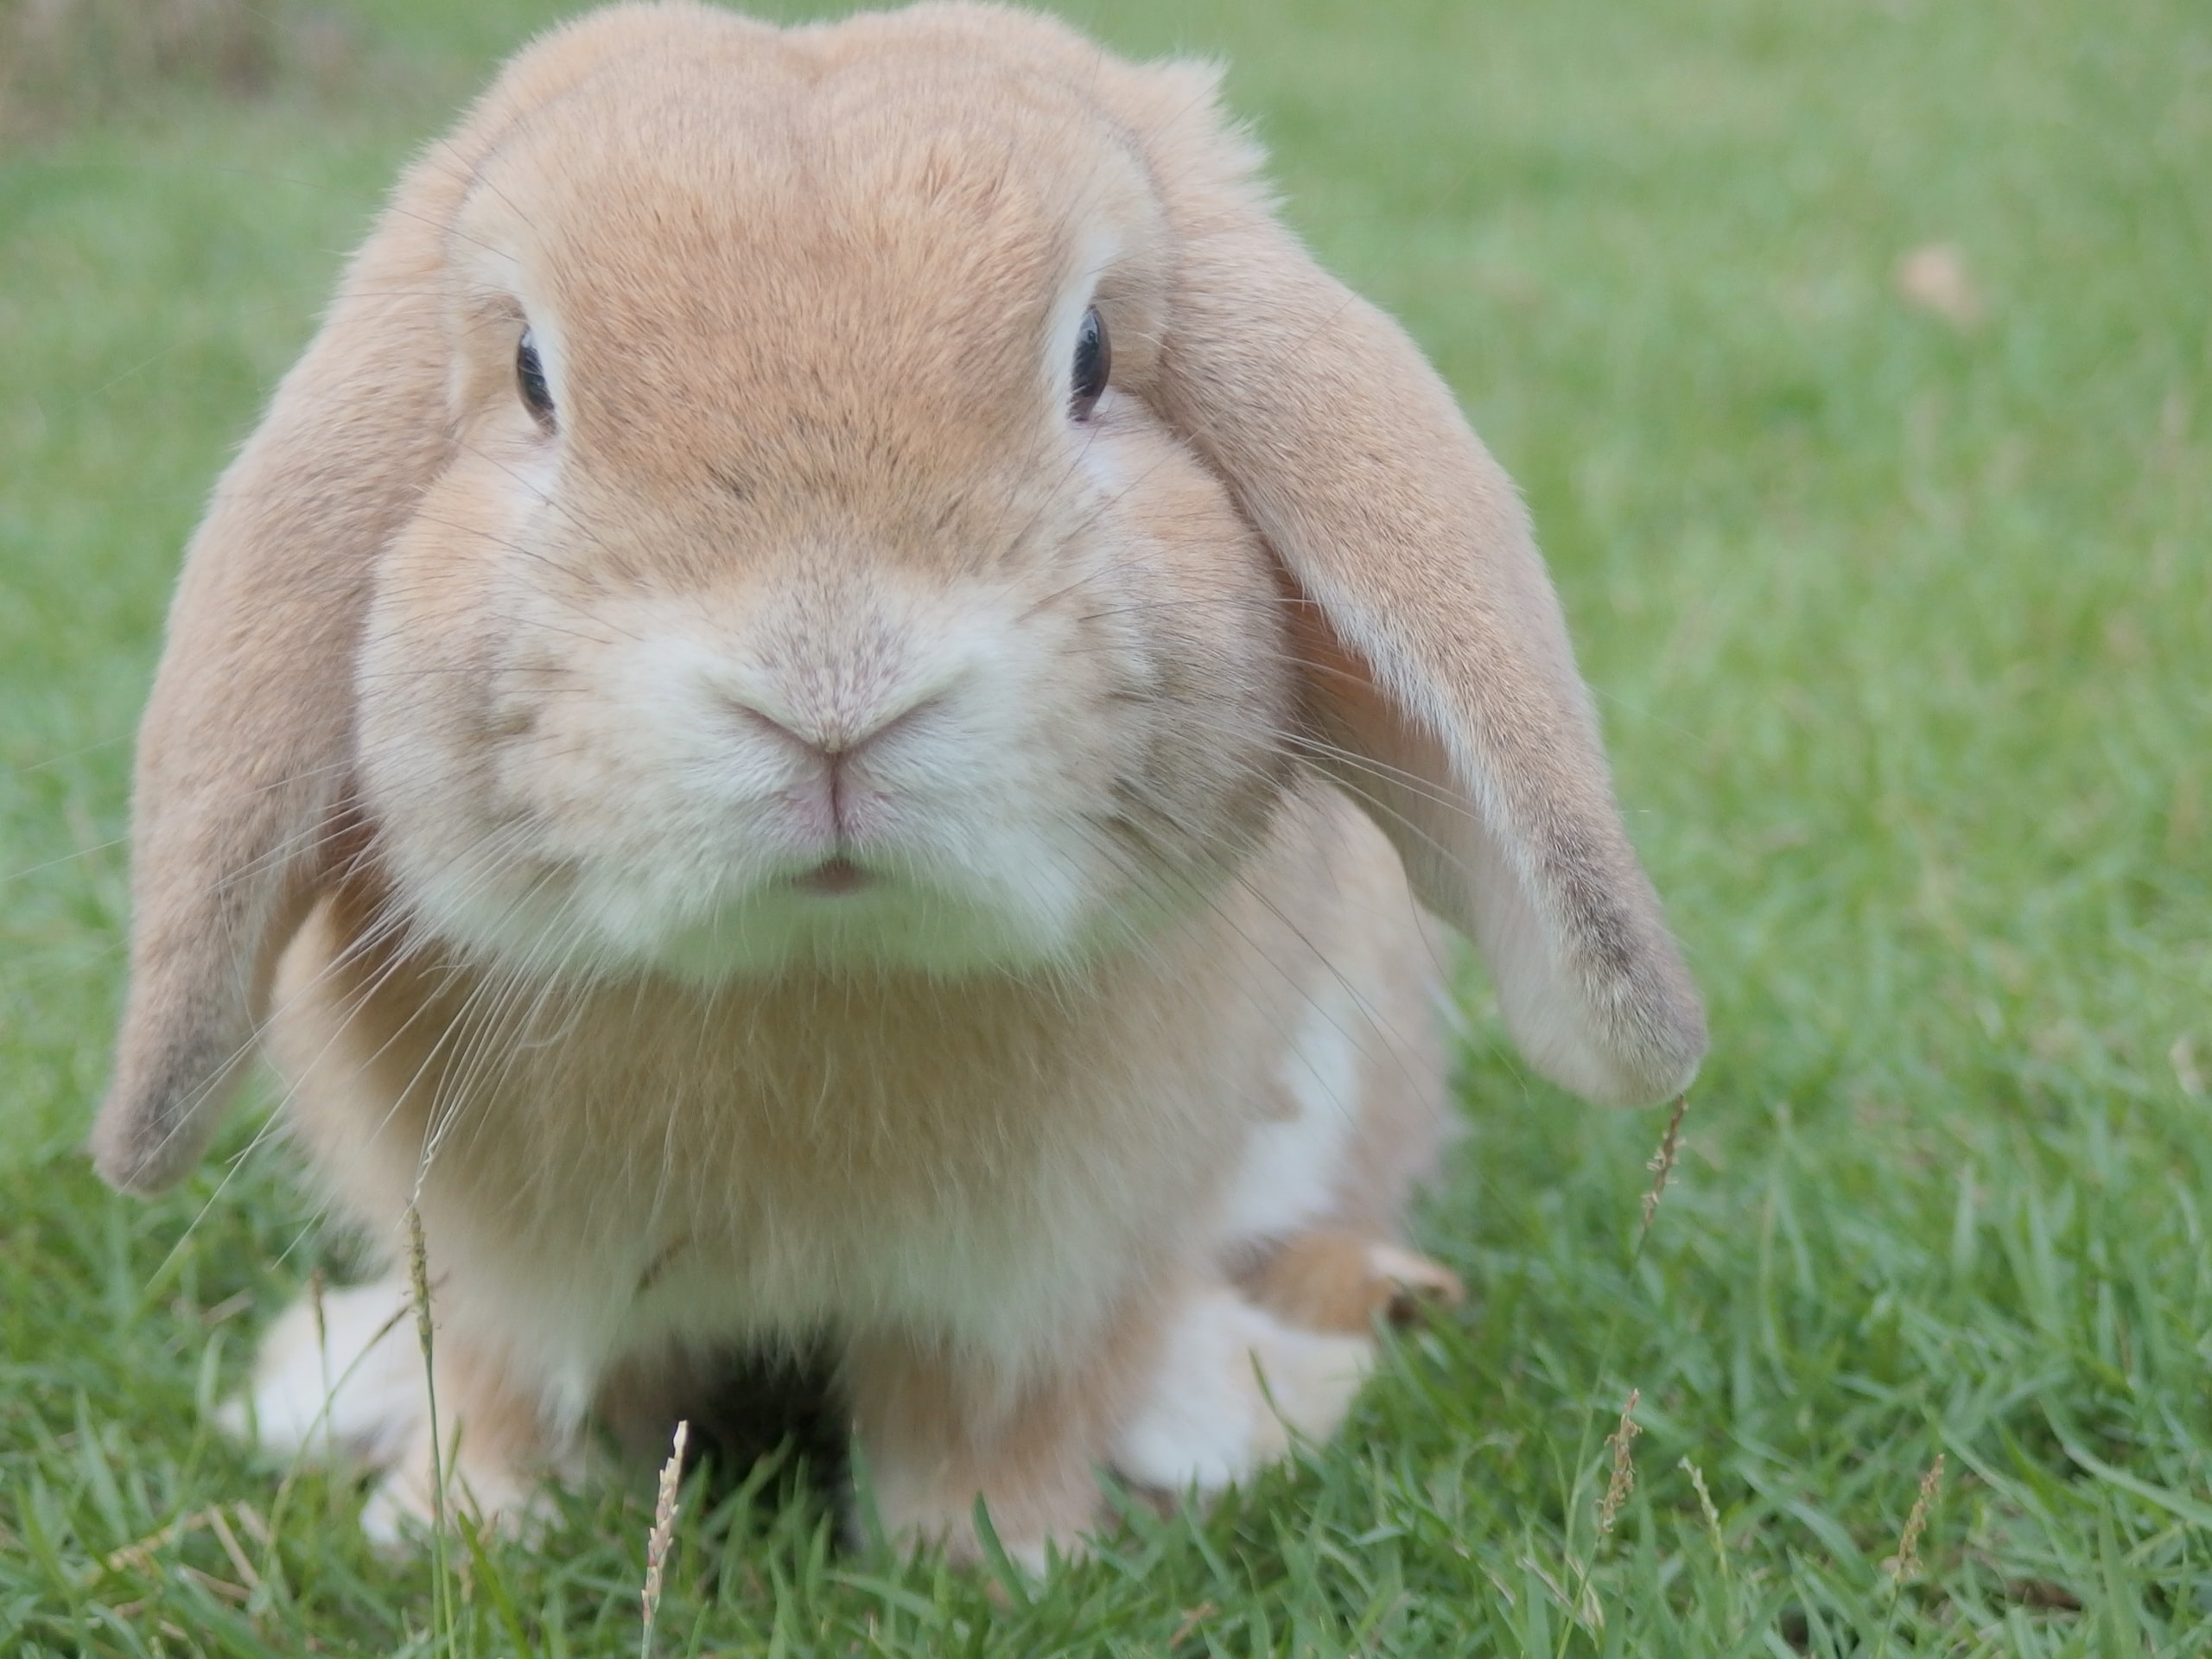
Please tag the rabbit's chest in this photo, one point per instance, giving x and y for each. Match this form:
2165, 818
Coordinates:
995, 1247
619, 1166
803, 1168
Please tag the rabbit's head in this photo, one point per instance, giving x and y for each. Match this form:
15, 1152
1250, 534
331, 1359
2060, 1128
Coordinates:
805, 581
886, 495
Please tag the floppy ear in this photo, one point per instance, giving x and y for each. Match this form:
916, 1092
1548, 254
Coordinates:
1443, 690
246, 744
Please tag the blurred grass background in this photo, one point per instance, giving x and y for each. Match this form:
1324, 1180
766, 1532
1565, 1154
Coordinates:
1855, 359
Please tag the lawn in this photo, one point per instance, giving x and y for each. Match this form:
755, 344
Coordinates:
1897, 597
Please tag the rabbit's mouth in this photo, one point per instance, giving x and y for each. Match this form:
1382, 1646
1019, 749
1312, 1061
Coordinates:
834, 878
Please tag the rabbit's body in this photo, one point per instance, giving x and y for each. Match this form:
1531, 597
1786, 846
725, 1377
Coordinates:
994, 1160
620, 1177
824, 713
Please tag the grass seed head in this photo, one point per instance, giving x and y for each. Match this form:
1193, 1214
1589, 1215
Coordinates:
662, 1538
1705, 1507
1906, 1562
418, 1279
1662, 1165
1623, 1480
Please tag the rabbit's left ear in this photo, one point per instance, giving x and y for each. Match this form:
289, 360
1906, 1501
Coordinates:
243, 756
1443, 692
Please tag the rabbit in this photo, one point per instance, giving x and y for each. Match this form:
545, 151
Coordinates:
843, 705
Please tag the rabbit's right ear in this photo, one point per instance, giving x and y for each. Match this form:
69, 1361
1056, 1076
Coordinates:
1442, 691
244, 752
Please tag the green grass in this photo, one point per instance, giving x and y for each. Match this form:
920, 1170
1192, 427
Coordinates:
1901, 632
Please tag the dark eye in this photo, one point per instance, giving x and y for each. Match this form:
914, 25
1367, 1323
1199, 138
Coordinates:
530, 375
1094, 360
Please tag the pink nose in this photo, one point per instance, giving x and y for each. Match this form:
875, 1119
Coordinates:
832, 741
826, 799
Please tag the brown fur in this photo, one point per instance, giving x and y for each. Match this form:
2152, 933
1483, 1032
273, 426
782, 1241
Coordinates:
790, 285
1330, 1280
939, 1436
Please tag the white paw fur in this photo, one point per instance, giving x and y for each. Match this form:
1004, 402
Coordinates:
346, 1389
1233, 1384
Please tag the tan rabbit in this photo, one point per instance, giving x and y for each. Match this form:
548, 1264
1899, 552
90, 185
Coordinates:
818, 715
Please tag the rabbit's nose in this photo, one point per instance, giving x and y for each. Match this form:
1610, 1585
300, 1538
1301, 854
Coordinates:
830, 805
834, 737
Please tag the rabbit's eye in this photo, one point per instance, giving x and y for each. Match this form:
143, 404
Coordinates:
1094, 360
530, 375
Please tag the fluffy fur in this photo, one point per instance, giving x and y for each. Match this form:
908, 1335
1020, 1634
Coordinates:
815, 839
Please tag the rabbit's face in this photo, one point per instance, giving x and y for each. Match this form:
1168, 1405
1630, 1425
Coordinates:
798, 593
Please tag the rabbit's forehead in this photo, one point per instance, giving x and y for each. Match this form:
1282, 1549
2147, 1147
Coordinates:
692, 198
